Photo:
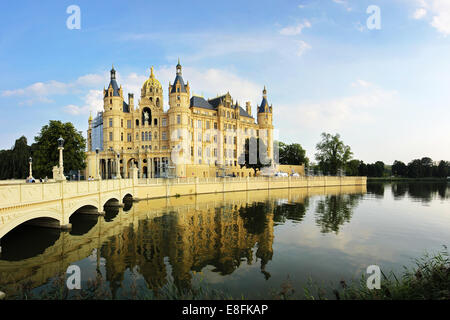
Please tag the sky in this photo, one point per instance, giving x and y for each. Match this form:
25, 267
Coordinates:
384, 89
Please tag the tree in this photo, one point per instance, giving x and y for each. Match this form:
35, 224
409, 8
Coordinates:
415, 169
292, 154
45, 149
443, 169
352, 168
14, 162
332, 154
255, 155
399, 169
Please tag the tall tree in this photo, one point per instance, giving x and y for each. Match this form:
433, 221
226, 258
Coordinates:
292, 154
255, 155
399, 169
332, 154
443, 169
45, 149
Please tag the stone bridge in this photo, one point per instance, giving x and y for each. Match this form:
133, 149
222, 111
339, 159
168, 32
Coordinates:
52, 204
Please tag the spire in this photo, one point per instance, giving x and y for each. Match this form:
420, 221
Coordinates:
179, 67
90, 116
113, 73
265, 92
152, 75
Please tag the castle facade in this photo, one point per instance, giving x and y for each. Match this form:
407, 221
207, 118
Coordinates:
195, 137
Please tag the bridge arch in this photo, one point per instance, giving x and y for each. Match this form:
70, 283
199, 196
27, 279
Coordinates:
10, 225
81, 204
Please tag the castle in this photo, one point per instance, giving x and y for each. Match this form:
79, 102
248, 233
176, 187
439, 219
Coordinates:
195, 137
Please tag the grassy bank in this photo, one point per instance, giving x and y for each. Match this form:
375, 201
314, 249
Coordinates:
429, 279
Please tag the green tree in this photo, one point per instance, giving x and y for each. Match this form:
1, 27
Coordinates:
14, 162
292, 154
45, 149
255, 155
332, 154
399, 169
352, 168
443, 169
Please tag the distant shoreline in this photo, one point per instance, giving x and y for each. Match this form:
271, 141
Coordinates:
401, 179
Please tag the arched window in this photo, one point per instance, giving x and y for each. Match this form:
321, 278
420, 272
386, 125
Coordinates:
157, 102
143, 136
137, 122
146, 136
151, 89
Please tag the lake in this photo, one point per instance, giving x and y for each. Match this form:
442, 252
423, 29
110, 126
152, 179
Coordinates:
249, 244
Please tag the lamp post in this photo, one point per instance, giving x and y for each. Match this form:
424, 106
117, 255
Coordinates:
61, 162
97, 165
30, 161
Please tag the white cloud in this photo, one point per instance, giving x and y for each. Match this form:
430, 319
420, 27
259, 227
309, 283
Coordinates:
295, 30
420, 13
439, 13
302, 47
93, 102
339, 112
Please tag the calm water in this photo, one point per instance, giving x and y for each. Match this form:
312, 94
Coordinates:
242, 243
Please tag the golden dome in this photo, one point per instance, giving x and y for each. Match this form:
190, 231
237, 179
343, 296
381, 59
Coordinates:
151, 82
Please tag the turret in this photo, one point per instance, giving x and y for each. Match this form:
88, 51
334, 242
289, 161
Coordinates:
248, 108
265, 123
179, 92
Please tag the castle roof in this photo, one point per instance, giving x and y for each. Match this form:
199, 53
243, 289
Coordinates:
212, 104
178, 79
113, 84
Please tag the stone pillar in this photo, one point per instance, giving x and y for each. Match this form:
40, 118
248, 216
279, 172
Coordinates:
151, 168
125, 168
107, 168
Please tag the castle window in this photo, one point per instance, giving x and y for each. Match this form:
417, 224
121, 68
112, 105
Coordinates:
178, 98
110, 101
146, 136
110, 122
151, 89
121, 123
129, 137
121, 136
143, 136
164, 135
215, 152
156, 135
150, 136
178, 90
137, 122
156, 122
207, 125
129, 124
110, 136
137, 136
164, 122
199, 152
178, 119
157, 102
215, 125
199, 124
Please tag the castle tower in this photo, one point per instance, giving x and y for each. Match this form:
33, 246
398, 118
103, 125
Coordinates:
180, 127
113, 105
265, 123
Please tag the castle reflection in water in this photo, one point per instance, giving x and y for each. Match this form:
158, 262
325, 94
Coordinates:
172, 238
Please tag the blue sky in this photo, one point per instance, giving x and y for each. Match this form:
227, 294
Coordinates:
385, 91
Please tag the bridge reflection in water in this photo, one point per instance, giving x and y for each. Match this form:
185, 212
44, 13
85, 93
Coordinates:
169, 238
